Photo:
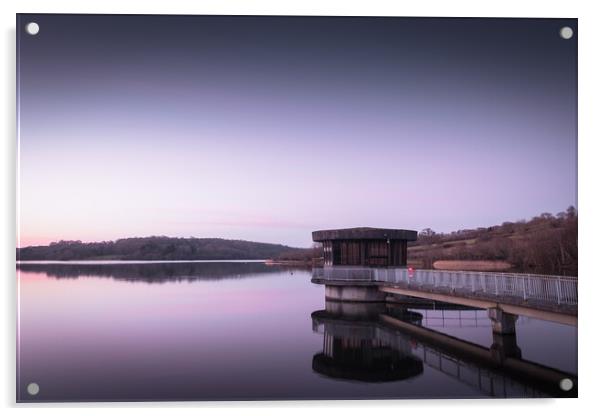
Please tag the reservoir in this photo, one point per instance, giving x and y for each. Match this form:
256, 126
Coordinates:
147, 331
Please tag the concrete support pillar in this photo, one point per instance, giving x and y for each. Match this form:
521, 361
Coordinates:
354, 293
504, 335
502, 322
356, 310
504, 346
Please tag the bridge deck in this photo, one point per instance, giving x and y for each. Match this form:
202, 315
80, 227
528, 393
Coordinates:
554, 313
551, 298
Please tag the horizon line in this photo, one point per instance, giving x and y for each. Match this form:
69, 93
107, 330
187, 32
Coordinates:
263, 242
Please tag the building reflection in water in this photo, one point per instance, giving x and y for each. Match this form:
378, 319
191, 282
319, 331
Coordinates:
380, 342
354, 348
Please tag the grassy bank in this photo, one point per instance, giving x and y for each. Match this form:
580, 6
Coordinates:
545, 244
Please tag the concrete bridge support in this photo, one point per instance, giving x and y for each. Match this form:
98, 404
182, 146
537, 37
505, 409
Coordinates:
504, 346
354, 293
502, 322
366, 311
504, 335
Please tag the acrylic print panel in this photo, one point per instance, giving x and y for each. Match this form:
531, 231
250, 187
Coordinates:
271, 208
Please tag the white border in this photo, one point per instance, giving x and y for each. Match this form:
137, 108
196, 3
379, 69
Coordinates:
590, 209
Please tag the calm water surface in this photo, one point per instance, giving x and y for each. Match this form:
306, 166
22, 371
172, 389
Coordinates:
246, 330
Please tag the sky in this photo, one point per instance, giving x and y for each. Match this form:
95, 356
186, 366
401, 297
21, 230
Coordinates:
268, 128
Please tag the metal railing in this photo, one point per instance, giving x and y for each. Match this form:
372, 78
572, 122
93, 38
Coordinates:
561, 290
363, 274
448, 318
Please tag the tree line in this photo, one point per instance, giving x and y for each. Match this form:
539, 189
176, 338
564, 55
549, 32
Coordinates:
155, 248
545, 244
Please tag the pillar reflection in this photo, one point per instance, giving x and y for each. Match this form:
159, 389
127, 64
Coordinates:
356, 348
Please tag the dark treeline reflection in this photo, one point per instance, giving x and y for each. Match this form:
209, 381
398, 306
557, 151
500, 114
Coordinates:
155, 272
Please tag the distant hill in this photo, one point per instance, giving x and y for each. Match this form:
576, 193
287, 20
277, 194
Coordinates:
156, 248
545, 244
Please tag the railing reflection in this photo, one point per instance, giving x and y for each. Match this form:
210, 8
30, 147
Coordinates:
379, 343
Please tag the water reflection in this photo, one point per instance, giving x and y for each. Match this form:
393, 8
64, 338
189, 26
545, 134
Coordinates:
153, 272
378, 342
354, 350
241, 331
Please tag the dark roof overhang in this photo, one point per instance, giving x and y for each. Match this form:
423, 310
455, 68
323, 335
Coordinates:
364, 233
